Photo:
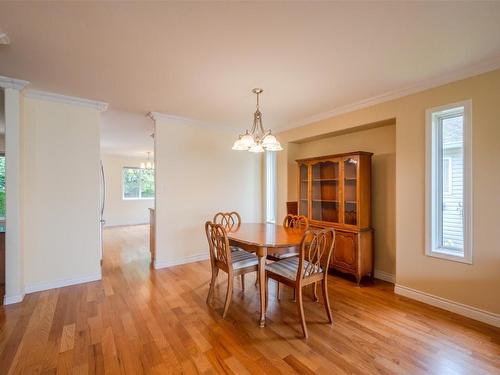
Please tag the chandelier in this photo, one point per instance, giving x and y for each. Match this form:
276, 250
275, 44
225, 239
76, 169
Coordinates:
148, 164
257, 140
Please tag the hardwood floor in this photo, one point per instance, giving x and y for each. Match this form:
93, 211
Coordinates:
141, 321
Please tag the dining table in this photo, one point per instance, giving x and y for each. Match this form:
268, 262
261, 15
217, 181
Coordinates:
263, 239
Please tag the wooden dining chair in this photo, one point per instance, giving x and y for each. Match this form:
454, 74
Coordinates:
309, 267
298, 222
231, 221
234, 263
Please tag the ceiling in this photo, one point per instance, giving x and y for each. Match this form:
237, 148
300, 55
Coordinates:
201, 60
126, 134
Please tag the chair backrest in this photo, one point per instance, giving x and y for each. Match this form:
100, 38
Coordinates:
229, 220
296, 222
218, 243
316, 248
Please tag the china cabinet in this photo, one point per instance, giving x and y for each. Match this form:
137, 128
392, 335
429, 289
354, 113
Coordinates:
335, 191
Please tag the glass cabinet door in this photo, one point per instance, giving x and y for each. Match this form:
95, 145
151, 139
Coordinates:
303, 190
350, 190
325, 191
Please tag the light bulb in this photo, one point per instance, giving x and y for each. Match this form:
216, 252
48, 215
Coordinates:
148, 165
143, 165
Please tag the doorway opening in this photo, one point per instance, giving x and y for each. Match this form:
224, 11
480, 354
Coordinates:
128, 188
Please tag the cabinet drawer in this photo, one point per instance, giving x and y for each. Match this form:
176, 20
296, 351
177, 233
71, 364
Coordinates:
345, 252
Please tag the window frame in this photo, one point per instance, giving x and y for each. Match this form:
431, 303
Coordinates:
140, 198
433, 172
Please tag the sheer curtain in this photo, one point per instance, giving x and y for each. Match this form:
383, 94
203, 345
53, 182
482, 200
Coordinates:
270, 187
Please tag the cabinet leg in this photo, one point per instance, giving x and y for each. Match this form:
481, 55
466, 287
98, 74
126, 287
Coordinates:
358, 279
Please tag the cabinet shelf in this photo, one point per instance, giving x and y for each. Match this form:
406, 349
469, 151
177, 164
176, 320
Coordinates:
325, 200
325, 180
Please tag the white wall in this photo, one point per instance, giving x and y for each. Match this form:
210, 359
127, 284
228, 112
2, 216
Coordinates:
197, 174
60, 166
14, 252
118, 211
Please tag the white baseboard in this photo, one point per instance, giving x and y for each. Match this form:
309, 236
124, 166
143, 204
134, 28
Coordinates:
190, 259
385, 276
446, 304
16, 298
61, 283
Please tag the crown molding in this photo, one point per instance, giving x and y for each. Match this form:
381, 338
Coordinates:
164, 117
43, 95
12, 83
457, 75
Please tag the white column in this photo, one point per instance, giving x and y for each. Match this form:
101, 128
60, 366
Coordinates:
14, 278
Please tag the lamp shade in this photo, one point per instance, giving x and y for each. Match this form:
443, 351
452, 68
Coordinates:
269, 140
239, 146
274, 147
247, 140
256, 148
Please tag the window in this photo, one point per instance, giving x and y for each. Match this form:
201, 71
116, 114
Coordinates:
270, 187
449, 182
138, 183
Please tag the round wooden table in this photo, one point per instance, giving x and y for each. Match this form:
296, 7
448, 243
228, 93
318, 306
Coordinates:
258, 238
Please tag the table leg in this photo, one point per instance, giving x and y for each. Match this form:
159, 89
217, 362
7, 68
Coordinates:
262, 255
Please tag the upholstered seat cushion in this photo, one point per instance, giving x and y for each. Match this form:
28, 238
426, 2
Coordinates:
242, 259
287, 267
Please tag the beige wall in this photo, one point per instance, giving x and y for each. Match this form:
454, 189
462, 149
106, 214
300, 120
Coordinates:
381, 142
475, 285
60, 197
197, 174
118, 211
